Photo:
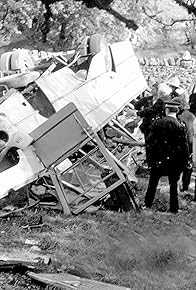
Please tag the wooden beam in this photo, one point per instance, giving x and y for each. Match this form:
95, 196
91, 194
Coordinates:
129, 135
72, 282
60, 191
129, 142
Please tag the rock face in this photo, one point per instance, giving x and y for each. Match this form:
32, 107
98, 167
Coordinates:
159, 70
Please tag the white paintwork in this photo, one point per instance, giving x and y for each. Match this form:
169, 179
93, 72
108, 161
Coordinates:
20, 113
99, 98
104, 94
27, 170
18, 119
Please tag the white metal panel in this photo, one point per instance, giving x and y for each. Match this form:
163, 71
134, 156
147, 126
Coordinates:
103, 94
21, 113
26, 171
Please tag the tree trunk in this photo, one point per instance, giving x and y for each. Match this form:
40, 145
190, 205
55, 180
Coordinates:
45, 28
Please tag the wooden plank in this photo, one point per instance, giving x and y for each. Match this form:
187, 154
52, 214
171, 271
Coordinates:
72, 187
123, 129
72, 282
129, 174
97, 197
60, 191
119, 131
127, 142
93, 161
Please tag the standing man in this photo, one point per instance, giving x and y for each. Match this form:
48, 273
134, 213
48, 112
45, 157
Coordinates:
169, 154
184, 115
174, 84
152, 113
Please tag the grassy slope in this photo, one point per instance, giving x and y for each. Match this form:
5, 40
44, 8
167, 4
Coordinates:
133, 250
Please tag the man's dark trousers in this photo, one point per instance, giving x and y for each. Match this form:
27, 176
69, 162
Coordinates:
173, 177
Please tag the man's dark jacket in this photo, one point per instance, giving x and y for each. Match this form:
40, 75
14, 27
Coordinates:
149, 115
169, 144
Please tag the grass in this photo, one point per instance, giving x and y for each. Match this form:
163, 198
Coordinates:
128, 249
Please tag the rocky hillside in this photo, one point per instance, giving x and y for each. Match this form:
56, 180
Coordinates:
161, 69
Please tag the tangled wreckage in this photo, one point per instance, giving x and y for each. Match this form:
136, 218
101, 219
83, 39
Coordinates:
52, 112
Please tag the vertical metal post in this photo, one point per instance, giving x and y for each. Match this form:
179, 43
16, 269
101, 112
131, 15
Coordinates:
60, 190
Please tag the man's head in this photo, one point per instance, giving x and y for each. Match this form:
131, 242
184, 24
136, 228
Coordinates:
171, 107
164, 92
173, 82
154, 90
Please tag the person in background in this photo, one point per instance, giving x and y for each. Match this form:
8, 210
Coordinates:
147, 101
184, 115
192, 103
174, 84
169, 154
152, 113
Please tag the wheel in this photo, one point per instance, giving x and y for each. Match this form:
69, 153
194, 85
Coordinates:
97, 43
5, 61
21, 60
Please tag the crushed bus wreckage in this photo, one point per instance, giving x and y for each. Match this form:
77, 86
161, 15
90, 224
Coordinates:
52, 111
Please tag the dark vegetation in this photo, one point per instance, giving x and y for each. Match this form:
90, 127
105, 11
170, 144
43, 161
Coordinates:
63, 23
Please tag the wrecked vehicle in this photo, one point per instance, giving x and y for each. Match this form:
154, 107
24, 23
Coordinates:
47, 115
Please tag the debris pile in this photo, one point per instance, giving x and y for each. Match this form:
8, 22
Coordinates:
60, 115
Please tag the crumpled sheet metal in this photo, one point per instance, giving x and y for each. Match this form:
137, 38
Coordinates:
103, 94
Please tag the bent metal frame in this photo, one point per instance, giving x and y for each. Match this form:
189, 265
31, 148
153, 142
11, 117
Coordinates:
62, 135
